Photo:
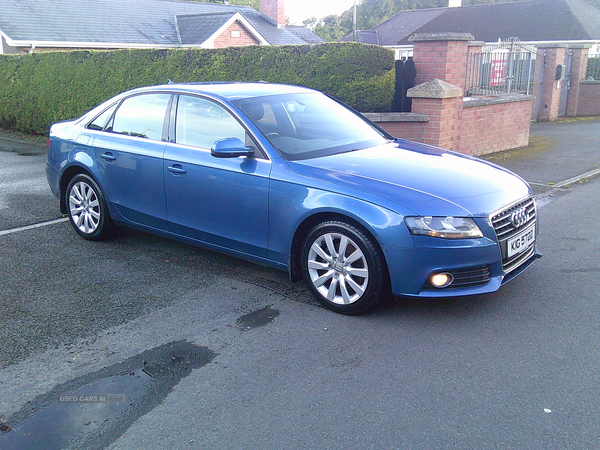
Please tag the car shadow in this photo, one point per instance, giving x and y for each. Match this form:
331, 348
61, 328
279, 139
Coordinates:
209, 262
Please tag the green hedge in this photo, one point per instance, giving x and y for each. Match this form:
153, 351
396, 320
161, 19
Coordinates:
42, 88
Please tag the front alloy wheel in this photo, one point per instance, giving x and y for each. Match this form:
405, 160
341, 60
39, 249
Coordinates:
343, 267
88, 213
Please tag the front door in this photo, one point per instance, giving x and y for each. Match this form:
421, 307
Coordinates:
220, 201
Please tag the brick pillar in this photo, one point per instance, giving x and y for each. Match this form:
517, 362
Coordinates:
578, 67
442, 56
551, 88
442, 103
475, 46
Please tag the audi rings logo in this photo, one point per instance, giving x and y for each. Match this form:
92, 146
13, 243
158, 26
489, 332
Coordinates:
519, 217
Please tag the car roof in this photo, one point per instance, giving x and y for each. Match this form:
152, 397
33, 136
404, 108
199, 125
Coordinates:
231, 90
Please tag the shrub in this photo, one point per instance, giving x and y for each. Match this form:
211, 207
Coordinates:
39, 89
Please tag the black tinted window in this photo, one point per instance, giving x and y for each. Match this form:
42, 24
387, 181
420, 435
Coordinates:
142, 116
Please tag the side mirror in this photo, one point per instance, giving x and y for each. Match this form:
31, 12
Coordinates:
230, 148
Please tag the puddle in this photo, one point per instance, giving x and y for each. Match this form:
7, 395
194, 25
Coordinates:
258, 318
94, 410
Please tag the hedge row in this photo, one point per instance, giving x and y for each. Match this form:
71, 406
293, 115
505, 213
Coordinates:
39, 89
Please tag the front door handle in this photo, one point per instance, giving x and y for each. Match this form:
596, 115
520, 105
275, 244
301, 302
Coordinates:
108, 156
176, 169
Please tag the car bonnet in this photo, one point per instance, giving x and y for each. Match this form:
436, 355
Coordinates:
423, 179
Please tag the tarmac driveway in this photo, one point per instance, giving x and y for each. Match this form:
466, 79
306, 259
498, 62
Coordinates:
240, 358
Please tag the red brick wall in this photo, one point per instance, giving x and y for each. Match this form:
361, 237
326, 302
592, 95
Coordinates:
412, 131
473, 130
495, 127
589, 98
225, 39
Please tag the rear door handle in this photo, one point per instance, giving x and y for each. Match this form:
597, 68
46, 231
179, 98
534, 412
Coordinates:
176, 169
108, 156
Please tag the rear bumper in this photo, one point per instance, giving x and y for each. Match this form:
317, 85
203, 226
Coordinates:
53, 177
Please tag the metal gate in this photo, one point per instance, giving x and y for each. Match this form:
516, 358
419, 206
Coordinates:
505, 67
406, 73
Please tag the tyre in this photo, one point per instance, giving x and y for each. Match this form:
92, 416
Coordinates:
87, 208
344, 268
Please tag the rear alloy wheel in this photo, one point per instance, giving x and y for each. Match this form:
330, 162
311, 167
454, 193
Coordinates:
87, 209
343, 267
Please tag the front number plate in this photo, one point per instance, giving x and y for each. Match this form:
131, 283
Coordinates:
521, 241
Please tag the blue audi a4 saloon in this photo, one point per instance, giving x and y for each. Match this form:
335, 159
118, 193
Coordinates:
290, 178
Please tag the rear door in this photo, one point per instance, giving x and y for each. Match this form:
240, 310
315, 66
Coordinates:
129, 152
221, 201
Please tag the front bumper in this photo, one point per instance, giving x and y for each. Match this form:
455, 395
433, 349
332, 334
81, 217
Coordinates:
411, 268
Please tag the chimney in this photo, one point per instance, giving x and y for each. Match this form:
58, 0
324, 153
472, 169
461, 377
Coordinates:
275, 10
454, 3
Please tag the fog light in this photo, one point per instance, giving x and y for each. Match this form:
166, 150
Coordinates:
441, 280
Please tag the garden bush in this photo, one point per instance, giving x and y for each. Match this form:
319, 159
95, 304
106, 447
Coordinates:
39, 89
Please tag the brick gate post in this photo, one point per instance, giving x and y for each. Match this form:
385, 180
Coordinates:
551, 88
578, 68
441, 62
442, 103
442, 56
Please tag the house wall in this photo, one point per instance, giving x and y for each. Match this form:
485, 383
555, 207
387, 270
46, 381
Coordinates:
227, 40
5, 48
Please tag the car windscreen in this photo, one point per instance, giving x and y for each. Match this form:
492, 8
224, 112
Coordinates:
310, 125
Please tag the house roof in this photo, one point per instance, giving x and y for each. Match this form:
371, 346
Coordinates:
367, 37
129, 23
305, 34
534, 20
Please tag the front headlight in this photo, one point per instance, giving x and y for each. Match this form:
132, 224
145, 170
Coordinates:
443, 227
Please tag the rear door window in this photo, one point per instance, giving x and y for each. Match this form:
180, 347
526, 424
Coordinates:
142, 116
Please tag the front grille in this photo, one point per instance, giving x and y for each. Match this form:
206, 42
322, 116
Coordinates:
505, 229
464, 278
